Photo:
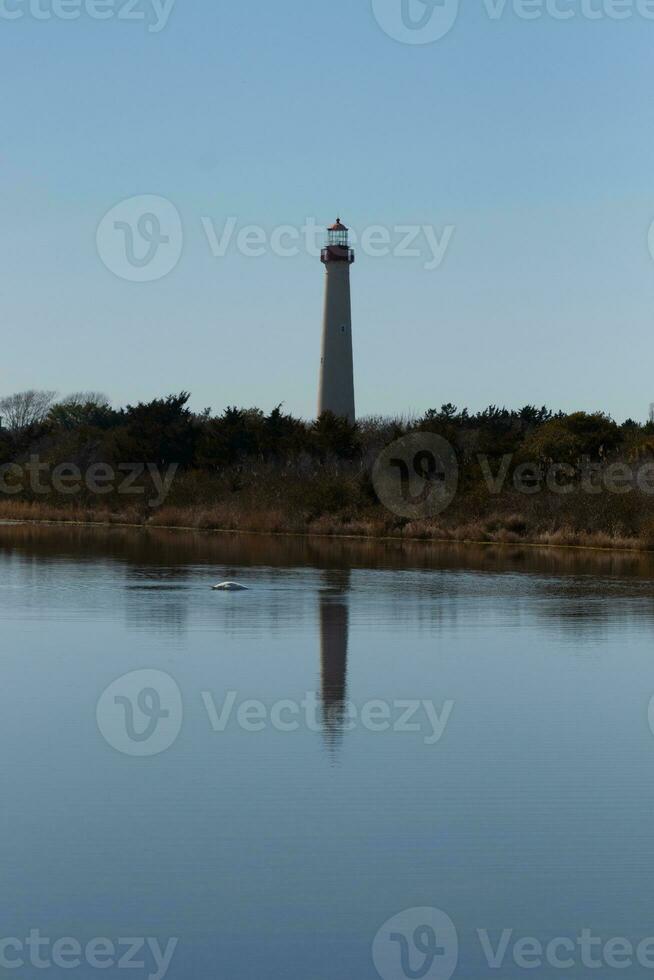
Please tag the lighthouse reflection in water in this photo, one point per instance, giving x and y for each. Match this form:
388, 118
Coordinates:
334, 629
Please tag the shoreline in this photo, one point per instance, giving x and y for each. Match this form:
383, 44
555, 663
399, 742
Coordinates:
335, 536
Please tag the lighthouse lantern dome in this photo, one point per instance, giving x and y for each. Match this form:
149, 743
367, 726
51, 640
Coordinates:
337, 247
338, 234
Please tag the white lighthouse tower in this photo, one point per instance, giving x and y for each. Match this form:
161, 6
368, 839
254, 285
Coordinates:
336, 390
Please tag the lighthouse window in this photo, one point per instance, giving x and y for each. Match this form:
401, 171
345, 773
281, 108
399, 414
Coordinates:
343, 329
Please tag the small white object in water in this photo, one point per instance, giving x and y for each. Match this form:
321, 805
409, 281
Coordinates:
230, 587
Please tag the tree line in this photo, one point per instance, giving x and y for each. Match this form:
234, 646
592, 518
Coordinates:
85, 428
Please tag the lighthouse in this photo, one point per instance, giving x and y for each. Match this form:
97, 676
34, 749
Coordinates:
336, 389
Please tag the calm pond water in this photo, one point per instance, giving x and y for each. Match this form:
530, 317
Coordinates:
429, 728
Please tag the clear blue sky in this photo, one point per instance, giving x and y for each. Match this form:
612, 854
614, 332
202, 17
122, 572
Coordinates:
533, 139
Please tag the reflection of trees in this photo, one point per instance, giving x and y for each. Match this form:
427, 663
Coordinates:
427, 585
157, 546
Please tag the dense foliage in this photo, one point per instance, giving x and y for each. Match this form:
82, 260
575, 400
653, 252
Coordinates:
248, 462
166, 431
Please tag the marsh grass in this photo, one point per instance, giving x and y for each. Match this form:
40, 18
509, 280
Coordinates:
535, 524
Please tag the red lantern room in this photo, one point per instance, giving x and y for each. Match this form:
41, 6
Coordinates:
337, 248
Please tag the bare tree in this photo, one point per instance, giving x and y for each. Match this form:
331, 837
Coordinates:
86, 398
26, 408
